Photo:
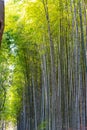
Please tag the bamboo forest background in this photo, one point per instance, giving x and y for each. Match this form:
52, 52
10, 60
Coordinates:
43, 65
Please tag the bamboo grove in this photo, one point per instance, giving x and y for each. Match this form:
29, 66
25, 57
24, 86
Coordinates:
43, 70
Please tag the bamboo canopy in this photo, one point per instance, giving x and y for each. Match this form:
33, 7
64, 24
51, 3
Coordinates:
1, 19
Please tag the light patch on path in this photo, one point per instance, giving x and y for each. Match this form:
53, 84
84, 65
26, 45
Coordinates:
11, 127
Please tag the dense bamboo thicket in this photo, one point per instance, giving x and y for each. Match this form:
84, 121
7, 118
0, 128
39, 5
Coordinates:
43, 66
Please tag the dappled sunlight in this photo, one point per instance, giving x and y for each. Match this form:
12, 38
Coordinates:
32, 0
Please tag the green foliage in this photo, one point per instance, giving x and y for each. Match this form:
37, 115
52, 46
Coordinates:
43, 125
